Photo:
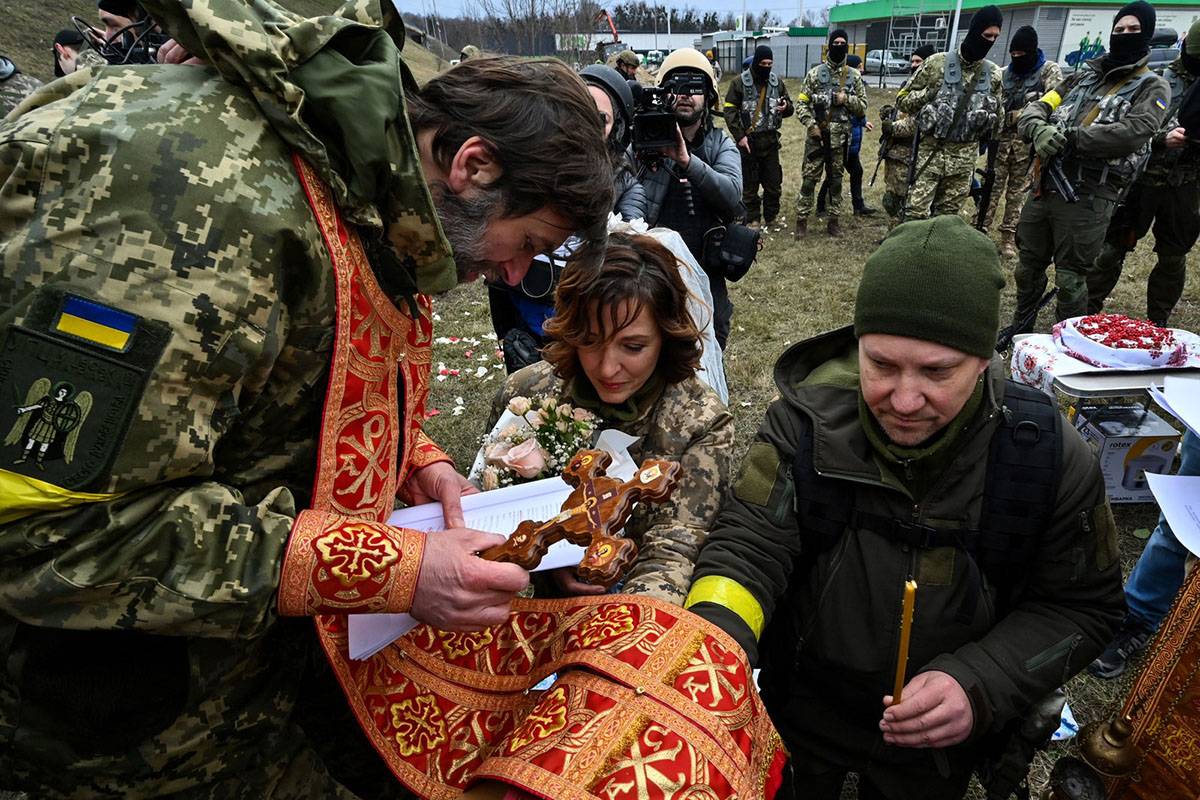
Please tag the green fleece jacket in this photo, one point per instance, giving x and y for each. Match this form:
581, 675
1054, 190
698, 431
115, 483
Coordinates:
848, 604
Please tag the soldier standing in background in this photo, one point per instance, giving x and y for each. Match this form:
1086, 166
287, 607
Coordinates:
627, 62
956, 99
1028, 77
15, 86
755, 105
897, 130
1091, 135
1167, 195
831, 94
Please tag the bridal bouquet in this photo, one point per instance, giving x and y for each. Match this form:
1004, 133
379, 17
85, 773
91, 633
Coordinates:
538, 444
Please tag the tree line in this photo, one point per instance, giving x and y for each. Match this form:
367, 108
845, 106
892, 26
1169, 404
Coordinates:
528, 27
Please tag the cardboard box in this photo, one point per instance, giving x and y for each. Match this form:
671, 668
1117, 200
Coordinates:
1129, 440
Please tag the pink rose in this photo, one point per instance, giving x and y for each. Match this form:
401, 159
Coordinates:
519, 405
495, 453
581, 415
526, 459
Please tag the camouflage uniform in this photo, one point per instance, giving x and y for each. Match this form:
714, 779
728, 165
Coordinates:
1167, 198
142, 646
1013, 154
952, 126
814, 106
689, 424
14, 89
899, 129
1109, 119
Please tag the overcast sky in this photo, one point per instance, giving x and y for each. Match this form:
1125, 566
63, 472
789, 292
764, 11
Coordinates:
452, 8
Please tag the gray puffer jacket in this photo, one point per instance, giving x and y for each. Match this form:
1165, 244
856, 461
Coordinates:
715, 170
629, 193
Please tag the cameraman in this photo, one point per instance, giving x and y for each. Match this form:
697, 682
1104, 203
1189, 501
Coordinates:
129, 35
698, 183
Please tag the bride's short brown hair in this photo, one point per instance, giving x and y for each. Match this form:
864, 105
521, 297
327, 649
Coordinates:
636, 269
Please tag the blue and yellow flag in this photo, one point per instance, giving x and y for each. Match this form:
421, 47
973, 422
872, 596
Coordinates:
95, 323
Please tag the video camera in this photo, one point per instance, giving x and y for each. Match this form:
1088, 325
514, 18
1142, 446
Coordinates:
654, 109
136, 43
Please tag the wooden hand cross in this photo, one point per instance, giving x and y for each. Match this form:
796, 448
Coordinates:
592, 516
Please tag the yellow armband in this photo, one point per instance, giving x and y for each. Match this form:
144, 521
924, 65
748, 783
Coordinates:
1052, 99
728, 594
803, 97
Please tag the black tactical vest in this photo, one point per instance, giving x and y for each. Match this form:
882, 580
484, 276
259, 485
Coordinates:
752, 119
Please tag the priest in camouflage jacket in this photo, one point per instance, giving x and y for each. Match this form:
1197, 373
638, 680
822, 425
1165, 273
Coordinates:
216, 333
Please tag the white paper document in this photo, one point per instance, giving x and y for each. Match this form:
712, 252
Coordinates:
498, 511
1179, 498
1180, 396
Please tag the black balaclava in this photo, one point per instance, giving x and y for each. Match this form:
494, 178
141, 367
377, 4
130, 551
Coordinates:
1129, 48
1025, 40
924, 51
974, 47
761, 73
837, 52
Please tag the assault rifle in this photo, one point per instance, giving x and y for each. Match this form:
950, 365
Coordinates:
989, 183
1053, 170
912, 158
885, 140
1005, 339
823, 107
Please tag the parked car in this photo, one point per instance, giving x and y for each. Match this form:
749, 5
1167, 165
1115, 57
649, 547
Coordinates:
1163, 48
875, 62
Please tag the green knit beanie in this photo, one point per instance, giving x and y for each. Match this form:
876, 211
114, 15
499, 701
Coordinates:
1191, 44
936, 279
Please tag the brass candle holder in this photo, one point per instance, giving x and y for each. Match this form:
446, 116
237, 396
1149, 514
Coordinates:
1108, 747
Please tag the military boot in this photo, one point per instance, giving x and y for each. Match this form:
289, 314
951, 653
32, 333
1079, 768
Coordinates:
801, 228
1008, 244
835, 228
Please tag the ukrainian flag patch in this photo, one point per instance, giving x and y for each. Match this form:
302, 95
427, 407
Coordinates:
95, 323
1158, 101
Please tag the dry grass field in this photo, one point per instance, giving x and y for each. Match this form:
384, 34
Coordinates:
796, 290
